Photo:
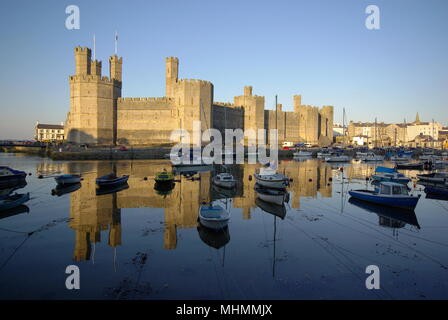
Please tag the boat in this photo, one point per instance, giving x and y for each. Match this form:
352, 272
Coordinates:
8, 187
14, 211
276, 196
111, 180
440, 164
60, 190
435, 177
338, 158
429, 157
323, 154
224, 180
214, 238
388, 216
164, 189
213, 216
13, 201
164, 177
302, 154
372, 157
9, 174
267, 177
409, 166
68, 179
388, 194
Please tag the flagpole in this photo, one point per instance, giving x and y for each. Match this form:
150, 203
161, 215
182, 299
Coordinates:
94, 47
116, 42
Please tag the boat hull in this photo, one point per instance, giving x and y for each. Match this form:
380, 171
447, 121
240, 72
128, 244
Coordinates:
225, 184
64, 180
274, 184
405, 202
14, 202
216, 221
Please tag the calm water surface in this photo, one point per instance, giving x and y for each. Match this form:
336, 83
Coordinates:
140, 243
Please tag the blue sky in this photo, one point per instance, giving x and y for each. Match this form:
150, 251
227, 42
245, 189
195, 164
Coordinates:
320, 49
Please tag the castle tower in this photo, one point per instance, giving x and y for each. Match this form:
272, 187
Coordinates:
96, 68
248, 91
172, 73
115, 65
82, 60
297, 102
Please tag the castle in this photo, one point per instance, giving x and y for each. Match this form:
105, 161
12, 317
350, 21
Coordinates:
100, 115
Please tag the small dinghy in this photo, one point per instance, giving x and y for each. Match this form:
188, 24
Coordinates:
9, 174
388, 194
111, 180
14, 201
267, 177
275, 196
435, 177
164, 177
224, 180
213, 216
372, 157
60, 189
66, 179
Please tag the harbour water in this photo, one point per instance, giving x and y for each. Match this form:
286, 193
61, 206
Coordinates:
142, 243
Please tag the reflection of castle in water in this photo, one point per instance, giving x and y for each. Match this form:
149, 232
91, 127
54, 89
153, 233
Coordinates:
90, 214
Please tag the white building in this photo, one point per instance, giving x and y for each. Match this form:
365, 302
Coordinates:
49, 132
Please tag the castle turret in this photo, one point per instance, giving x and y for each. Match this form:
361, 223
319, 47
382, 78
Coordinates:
96, 68
115, 67
297, 102
172, 73
248, 90
82, 60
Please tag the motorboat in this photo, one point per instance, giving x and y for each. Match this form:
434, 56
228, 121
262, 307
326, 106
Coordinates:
66, 179
437, 190
269, 178
388, 194
276, 196
111, 180
435, 177
323, 154
9, 174
389, 175
338, 158
13, 201
224, 180
213, 216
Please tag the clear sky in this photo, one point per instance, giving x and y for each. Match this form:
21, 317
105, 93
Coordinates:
318, 48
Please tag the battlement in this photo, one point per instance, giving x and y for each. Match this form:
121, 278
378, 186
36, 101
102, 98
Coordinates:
195, 81
176, 59
91, 78
146, 99
116, 58
223, 104
80, 49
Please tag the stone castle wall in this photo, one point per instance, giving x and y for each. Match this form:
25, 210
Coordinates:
99, 115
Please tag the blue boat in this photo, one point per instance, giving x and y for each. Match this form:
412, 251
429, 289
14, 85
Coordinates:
66, 179
14, 201
9, 174
213, 216
389, 175
388, 194
437, 190
111, 180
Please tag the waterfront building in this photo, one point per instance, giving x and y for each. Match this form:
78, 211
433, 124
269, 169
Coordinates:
49, 132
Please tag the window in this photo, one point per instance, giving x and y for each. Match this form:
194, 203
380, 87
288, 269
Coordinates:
385, 189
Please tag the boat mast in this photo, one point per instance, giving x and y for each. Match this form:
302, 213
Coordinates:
276, 123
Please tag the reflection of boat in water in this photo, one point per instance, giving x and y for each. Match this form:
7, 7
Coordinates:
164, 189
14, 211
225, 192
60, 190
269, 178
435, 177
214, 238
9, 174
10, 186
274, 209
436, 192
275, 196
224, 180
13, 201
189, 170
110, 180
112, 189
390, 217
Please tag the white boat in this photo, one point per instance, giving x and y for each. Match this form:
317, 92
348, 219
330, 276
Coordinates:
361, 155
429, 157
213, 216
438, 164
338, 158
224, 180
372, 157
400, 158
323, 154
274, 196
302, 154
269, 178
